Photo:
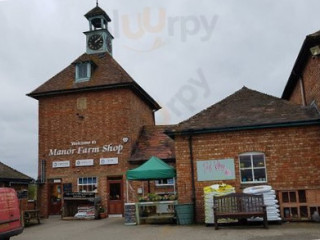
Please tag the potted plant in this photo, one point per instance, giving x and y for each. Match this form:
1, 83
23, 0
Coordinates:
102, 212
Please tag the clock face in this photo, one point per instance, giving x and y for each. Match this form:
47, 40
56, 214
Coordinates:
95, 42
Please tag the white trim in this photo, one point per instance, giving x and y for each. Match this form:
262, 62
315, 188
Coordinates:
252, 168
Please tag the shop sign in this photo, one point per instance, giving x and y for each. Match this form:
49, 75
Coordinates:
109, 161
214, 170
60, 164
79, 195
87, 147
84, 162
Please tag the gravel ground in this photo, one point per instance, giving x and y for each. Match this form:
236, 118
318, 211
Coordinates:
113, 228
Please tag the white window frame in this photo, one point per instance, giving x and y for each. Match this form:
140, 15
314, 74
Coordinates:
159, 182
251, 154
93, 184
80, 78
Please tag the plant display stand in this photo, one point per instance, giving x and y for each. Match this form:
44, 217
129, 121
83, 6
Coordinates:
155, 211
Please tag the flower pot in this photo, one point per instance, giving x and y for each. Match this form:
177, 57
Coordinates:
103, 215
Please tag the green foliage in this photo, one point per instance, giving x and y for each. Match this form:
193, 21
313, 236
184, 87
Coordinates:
32, 192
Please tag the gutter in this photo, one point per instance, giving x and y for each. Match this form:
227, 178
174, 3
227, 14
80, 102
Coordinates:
132, 85
190, 131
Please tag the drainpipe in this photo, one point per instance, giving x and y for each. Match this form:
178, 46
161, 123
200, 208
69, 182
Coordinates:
193, 197
303, 93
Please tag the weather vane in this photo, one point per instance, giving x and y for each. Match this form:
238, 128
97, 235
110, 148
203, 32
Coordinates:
97, 3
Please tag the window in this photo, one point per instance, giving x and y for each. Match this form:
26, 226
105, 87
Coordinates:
252, 168
87, 184
164, 182
83, 72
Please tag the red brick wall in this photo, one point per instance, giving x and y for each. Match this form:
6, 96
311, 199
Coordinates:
296, 96
311, 81
311, 78
292, 158
110, 115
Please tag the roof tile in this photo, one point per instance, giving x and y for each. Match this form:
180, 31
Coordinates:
153, 142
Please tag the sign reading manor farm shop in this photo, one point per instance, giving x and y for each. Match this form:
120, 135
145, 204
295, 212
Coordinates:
81, 148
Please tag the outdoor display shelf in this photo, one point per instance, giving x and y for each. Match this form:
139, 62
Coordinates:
78, 201
155, 211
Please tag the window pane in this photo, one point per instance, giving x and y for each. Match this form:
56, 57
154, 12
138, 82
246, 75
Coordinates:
258, 160
294, 212
259, 174
293, 197
83, 70
170, 181
285, 197
245, 161
94, 180
80, 180
303, 212
286, 212
90, 180
302, 196
246, 175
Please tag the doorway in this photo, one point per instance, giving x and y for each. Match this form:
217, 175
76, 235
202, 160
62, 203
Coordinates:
115, 193
55, 191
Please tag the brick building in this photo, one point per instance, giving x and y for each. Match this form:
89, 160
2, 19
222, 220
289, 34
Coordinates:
249, 139
96, 122
303, 86
90, 117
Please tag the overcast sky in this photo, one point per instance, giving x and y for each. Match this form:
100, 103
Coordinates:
186, 54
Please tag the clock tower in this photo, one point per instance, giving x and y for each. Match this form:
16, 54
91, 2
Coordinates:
98, 38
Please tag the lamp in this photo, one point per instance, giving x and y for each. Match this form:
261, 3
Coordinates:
315, 50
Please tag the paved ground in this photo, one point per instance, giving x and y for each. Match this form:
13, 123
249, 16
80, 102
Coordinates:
114, 228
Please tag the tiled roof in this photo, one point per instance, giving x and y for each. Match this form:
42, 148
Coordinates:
107, 73
96, 12
247, 108
153, 142
8, 173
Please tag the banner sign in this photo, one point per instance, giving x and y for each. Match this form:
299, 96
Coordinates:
60, 164
213, 170
109, 161
84, 162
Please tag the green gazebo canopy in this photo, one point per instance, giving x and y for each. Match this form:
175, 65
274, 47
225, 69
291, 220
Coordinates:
153, 169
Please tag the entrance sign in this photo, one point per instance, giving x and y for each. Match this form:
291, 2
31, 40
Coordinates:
109, 161
213, 170
84, 162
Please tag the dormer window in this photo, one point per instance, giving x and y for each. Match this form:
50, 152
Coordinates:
83, 71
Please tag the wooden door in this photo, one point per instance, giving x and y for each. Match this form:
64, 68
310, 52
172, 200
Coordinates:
55, 191
115, 203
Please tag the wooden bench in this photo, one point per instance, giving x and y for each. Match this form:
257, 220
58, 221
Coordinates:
239, 206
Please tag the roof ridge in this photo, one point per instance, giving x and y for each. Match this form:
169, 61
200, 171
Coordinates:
247, 107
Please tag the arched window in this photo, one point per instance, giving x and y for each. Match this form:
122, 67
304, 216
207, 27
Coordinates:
252, 167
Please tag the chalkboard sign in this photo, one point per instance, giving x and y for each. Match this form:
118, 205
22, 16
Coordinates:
67, 187
216, 170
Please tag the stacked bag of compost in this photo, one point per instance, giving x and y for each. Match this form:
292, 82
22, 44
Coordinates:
209, 193
269, 196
